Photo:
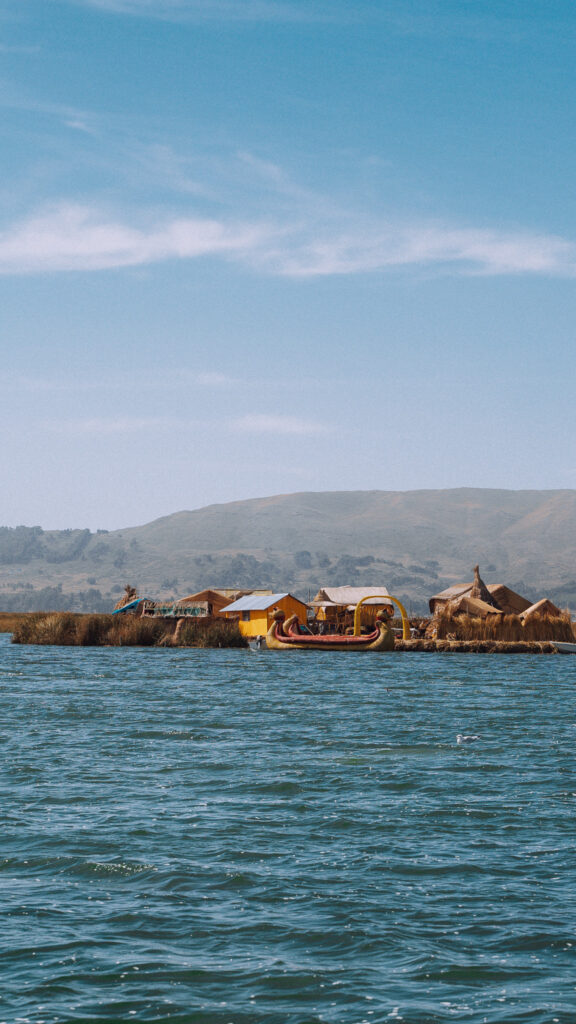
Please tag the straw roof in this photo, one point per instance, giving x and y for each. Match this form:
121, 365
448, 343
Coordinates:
509, 601
543, 607
211, 597
480, 591
467, 605
499, 596
348, 597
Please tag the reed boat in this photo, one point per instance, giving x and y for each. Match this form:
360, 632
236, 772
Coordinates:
284, 635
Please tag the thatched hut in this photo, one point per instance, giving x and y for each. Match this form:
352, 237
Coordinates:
544, 608
497, 595
479, 609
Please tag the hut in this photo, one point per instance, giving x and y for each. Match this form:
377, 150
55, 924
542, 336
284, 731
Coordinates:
205, 602
475, 607
497, 595
335, 605
254, 613
544, 608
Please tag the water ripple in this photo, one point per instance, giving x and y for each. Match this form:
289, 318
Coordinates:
219, 838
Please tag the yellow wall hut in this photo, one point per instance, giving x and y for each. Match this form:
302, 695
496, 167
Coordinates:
254, 613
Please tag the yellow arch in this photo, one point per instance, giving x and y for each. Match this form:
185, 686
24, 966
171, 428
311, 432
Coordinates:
387, 597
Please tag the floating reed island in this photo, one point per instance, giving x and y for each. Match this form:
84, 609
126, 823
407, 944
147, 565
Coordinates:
467, 617
461, 635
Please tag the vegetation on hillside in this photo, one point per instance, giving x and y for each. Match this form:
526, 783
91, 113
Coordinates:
414, 543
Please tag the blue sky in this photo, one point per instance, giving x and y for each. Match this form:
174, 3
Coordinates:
251, 247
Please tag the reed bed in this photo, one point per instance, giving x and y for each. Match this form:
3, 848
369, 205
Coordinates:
10, 620
504, 628
212, 634
67, 629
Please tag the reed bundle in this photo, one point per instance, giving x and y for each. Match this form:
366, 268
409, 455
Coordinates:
505, 628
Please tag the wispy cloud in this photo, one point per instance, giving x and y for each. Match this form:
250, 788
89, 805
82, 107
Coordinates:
467, 250
221, 10
71, 237
260, 423
99, 426
167, 380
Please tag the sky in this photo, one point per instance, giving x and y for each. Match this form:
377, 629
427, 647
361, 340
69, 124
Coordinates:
254, 247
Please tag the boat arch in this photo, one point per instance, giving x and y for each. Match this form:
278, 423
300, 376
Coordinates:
386, 597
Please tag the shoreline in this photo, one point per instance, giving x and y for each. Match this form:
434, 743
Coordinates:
476, 646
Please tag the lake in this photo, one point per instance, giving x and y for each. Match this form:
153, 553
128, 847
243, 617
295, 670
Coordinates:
229, 837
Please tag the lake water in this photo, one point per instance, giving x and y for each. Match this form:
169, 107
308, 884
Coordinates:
224, 837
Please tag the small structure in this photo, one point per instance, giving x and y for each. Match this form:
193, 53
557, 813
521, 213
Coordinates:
496, 595
544, 608
335, 605
130, 597
255, 613
474, 606
205, 602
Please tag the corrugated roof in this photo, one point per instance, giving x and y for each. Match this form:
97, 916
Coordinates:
255, 602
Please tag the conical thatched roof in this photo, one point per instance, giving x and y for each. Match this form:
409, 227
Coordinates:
475, 606
480, 591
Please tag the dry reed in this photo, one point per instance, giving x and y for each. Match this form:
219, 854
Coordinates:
71, 630
504, 628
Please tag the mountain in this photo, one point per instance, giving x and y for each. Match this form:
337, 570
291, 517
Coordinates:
415, 543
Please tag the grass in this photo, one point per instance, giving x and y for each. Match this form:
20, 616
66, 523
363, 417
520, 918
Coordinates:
68, 629
10, 620
213, 634
504, 628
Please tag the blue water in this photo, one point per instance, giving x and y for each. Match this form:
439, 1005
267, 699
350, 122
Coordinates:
223, 837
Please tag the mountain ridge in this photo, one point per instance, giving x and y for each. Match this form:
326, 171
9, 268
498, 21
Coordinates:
413, 542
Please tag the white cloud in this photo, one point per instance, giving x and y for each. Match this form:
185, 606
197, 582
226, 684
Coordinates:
469, 250
218, 10
70, 237
260, 423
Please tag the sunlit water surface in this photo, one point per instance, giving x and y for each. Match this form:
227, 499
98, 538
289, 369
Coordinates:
228, 837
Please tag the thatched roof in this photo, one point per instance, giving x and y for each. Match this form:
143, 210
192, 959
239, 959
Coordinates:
208, 597
348, 597
508, 600
480, 591
543, 607
499, 596
467, 605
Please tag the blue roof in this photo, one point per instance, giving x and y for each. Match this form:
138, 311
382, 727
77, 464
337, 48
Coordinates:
256, 602
127, 607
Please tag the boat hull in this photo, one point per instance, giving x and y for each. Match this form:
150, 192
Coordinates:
564, 648
281, 637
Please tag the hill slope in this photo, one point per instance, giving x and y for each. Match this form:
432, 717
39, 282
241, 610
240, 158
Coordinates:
413, 542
